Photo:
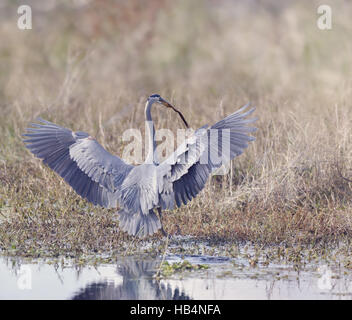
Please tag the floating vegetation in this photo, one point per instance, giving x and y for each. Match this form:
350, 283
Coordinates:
169, 269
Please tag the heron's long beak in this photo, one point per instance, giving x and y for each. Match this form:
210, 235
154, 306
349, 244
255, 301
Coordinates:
169, 105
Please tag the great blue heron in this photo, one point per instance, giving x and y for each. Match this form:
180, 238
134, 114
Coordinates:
106, 180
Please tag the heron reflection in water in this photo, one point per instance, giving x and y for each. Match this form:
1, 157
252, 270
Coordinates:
137, 284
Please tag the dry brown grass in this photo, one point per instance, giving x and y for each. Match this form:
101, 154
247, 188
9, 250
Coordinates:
91, 68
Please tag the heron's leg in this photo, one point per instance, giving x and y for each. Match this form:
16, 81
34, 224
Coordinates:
161, 222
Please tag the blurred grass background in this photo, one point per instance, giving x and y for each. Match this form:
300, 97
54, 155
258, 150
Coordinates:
90, 65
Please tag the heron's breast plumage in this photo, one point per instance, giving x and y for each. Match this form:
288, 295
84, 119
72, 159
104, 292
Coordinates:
139, 191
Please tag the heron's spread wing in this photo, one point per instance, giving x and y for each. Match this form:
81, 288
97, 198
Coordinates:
86, 166
186, 171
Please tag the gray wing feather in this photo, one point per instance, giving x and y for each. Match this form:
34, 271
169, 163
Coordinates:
188, 178
84, 164
101, 166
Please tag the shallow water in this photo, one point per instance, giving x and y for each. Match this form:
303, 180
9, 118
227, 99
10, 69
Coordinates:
132, 278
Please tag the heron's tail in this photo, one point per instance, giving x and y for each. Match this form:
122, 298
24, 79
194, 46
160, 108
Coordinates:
138, 223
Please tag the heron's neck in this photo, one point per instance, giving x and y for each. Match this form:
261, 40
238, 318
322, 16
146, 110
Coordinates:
150, 130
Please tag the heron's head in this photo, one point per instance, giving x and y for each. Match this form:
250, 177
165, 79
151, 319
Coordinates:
158, 99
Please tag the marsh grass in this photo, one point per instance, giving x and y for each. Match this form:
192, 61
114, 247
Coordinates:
85, 69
